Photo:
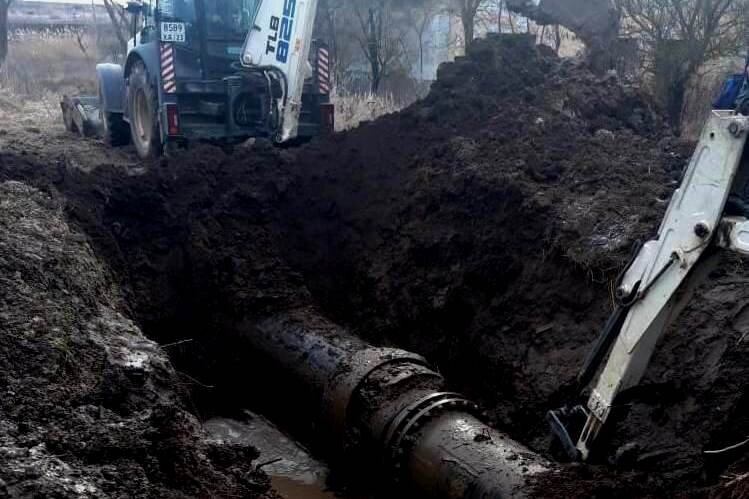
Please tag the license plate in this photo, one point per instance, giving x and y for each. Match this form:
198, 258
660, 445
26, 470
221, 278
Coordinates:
173, 32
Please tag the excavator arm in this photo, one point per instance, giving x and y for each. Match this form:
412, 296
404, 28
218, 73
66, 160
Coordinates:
279, 44
595, 22
647, 291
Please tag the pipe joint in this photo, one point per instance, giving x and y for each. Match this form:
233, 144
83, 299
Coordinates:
411, 419
351, 375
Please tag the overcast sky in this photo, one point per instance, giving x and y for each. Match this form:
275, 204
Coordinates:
87, 2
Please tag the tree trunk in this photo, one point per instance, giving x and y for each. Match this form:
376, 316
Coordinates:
671, 77
4, 6
120, 27
467, 19
374, 51
557, 38
675, 103
376, 77
421, 55
500, 7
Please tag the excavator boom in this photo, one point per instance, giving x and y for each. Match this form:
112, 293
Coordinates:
279, 43
671, 262
589, 19
595, 22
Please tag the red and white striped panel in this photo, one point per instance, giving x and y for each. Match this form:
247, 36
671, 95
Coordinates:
167, 68
323, 70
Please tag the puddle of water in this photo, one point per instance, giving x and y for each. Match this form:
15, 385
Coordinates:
292, 489
294, 473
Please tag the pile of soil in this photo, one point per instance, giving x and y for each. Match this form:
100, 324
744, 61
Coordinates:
482, 227
89, 406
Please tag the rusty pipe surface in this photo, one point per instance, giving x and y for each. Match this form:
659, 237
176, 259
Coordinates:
388, 403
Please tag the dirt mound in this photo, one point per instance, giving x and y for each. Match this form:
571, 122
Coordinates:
90, 407
484, 227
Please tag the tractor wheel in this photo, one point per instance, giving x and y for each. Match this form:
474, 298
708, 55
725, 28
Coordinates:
116, 130
143, 107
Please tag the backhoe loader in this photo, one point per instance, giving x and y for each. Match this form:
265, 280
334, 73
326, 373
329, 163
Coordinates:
211, 69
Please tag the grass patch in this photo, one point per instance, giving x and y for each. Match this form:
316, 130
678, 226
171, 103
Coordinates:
57, 61
352, 109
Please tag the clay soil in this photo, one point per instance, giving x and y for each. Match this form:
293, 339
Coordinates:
482, 227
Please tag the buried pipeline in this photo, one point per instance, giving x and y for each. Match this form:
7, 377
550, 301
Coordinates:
386, 406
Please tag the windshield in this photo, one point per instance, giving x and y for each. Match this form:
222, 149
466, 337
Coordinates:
178, 10
224, 19
229, 18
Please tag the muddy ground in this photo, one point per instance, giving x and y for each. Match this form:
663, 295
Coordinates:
481, 227
90, 407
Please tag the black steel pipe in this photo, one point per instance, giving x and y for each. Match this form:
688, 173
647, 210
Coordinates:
388, 403
456, 455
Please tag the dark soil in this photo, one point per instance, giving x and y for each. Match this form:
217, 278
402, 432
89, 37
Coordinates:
481, 227
90, 407
484, 226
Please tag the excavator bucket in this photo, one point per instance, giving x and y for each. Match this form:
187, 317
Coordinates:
587, 18
596, 22
81, 115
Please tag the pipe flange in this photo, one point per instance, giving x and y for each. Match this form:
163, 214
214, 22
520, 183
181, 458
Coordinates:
341, 387
415, 416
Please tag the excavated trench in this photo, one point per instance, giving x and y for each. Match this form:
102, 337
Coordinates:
480, 228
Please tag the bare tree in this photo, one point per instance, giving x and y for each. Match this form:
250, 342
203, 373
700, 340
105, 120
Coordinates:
120, 23
338, 25
552, 35
4, 7
378, 38
678, 37
420, 18
79, 33
467, 10
511, 21
500, 10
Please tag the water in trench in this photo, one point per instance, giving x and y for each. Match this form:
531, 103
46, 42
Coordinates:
294, 473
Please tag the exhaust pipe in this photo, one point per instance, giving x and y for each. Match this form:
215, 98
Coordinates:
388, 403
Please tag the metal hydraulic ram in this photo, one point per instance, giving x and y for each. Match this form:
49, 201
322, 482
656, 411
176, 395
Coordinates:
646, 290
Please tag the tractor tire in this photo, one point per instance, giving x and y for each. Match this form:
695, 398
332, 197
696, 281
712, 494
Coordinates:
142, 102
115, 130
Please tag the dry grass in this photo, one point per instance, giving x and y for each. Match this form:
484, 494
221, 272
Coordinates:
24, 112
352, 109
42, 62
41, 67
